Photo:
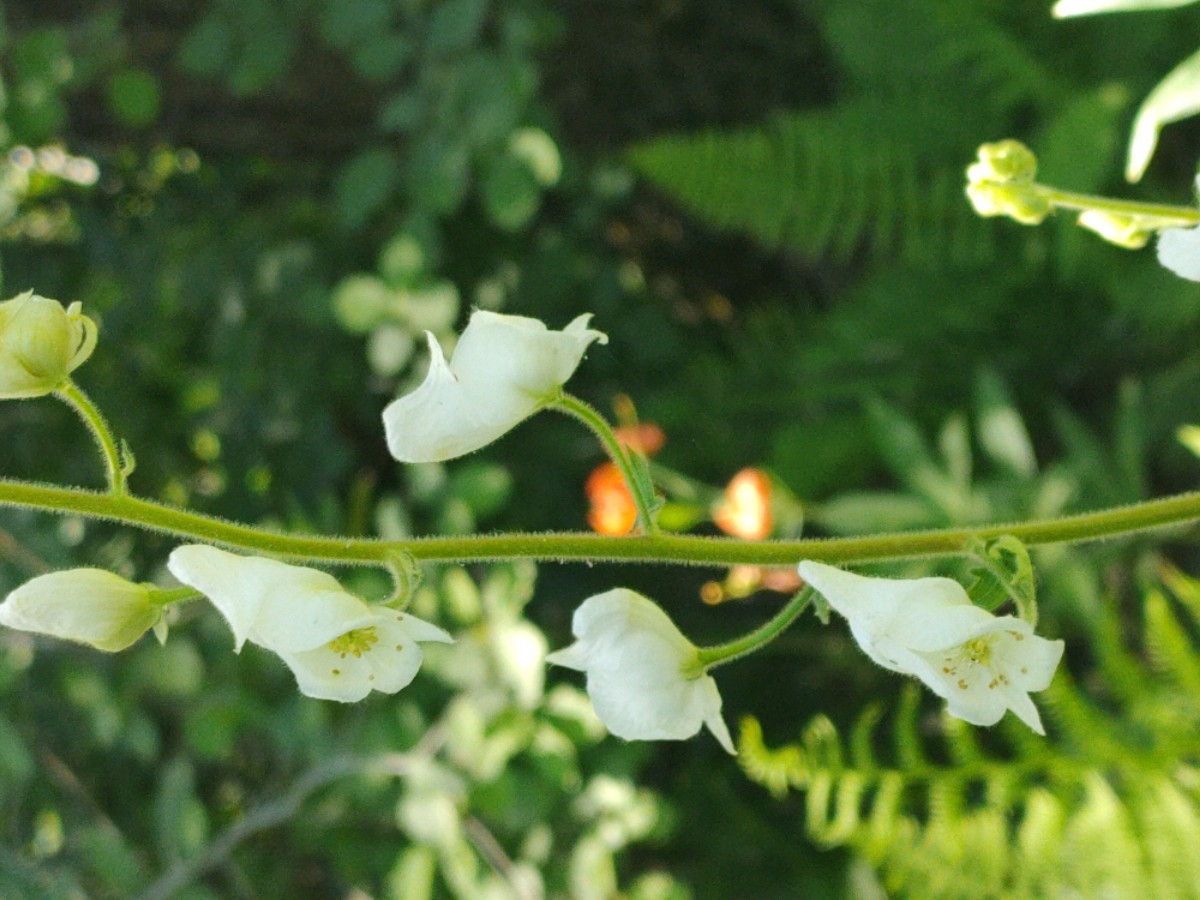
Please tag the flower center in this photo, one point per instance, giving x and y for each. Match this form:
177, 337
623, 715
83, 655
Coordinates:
961, 663
357, 642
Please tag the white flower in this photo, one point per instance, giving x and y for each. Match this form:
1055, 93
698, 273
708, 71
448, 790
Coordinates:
1179, 251
503, 370
86, 605
643, 675
981, 664
337, 646
41, 344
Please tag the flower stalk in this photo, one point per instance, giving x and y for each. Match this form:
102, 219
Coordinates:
114, 466
637, 477
718, 655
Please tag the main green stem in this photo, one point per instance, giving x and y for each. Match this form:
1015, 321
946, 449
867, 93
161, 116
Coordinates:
562, 547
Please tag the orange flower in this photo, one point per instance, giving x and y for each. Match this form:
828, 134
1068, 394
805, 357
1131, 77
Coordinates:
646, 438
612, 508
745, 510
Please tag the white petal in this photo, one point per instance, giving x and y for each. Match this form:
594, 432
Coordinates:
440, 420
90, 606
1018, 701
387, 665
639, 671
1179, 251
518, 359
503, 370
281, 607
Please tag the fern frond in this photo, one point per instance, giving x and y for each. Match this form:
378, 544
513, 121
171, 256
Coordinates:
1111, 808
823, 184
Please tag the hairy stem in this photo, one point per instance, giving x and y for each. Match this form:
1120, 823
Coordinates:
1178, 509
640, 487
71, 394
710, 657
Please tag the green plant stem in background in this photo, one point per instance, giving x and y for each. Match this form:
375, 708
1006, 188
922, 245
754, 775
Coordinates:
71, 394
1179, 509
1156, 215
637, 478
710, 657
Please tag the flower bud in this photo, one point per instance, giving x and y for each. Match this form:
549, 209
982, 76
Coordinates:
1017, 201
1003, 161
41, 344
1125, 231
86, 605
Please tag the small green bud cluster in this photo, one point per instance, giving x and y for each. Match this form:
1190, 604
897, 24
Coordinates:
1000, 183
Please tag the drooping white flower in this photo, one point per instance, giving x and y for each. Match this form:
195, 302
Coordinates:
981, 664
41, 344
337, 646
643, 675
503, 370
1179, 251
90, 606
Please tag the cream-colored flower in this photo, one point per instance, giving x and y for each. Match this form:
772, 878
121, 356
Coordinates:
981, 664
337, 646
503, 370
643, 676
41, 344
90, 606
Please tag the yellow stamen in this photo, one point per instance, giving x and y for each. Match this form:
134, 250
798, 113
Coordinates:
357, 642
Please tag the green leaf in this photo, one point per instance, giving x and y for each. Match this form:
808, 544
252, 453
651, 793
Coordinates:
382, 57
486, 487
1005, 573
1002, 432
134, 97
365, 183
510, 192
344, 25
208, 48
1175, 97
438, 174
455, 24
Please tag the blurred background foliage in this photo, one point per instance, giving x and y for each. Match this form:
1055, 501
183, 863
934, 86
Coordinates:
266, 202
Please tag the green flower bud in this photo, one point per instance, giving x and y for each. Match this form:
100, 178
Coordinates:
41, 344
90, 606
1124, 231
1021, 202
1007, 160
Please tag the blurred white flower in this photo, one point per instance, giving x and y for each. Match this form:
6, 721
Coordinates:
41, 344
643, 676
337, 646
981, 664
503, 370
1179, 251
86, 605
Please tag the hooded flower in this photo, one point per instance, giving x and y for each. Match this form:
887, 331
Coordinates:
86, 605
643, 675
981, 664
503, 370
337, 646
1179, 251
41, 344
